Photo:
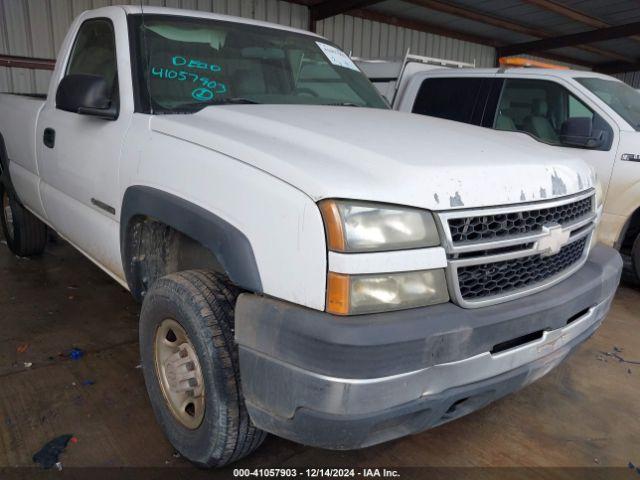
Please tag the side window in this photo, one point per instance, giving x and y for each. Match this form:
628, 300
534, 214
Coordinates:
94, 52
449, 98
545, 110
578, 109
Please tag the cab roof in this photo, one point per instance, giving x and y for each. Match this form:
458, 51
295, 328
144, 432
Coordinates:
521, 71
148, 10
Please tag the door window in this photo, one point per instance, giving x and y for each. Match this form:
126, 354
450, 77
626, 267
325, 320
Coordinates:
94, 52
541, 108
449, 98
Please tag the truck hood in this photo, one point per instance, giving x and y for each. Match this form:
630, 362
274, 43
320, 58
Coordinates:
384, 156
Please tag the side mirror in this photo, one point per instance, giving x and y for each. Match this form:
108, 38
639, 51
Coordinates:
87, 95
579, 132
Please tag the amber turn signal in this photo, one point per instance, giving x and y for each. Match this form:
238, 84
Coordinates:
338, 293
333, 225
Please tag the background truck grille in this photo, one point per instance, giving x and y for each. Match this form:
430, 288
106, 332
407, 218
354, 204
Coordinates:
489, 227
490, 279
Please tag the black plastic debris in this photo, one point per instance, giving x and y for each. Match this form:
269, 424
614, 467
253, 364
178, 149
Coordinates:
615, 353
48, 456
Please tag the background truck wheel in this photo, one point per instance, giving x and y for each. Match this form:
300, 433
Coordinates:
191, 369
635, 259
25, 234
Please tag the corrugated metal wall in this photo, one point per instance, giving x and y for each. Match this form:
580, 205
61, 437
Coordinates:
632, 78
36, 28
369, 39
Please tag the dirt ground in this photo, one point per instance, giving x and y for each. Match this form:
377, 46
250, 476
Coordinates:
585, 413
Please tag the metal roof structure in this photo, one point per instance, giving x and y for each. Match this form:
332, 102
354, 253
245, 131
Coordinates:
603, 35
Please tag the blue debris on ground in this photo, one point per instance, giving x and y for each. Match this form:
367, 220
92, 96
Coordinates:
74, 354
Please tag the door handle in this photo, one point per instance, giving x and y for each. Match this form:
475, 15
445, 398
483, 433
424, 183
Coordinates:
49, 137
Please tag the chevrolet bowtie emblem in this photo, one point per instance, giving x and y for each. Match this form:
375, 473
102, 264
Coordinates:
554, 239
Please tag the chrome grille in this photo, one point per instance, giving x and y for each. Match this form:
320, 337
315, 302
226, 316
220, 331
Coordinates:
490, 279
489, 227
521, 250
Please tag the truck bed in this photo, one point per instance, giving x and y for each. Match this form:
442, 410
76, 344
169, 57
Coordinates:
18, 117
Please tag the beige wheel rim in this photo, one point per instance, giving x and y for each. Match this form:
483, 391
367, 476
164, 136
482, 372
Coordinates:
8, 214
179, 374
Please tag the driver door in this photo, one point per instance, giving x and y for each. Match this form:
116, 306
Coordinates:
78, 155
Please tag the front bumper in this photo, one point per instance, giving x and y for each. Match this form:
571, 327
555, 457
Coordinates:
350, 382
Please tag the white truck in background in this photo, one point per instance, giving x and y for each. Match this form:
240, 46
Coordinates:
309, 262
594, 115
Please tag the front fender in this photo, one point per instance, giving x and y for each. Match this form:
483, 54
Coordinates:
228, 244
273, 239
620, 212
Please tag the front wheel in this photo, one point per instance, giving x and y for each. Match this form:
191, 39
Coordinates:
191, 368
25, 234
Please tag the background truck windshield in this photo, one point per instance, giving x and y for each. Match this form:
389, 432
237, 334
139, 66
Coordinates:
623, 99
185, 64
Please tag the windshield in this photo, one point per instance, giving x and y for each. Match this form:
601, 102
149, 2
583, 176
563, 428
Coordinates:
186, 64
623, 99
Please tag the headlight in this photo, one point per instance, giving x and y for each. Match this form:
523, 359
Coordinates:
355, 294
353, 226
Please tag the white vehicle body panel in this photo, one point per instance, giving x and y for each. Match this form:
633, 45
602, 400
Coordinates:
388, 262
382, 156
282, 223
80, 170
19, 133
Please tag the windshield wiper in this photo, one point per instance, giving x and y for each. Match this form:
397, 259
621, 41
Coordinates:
197, 106
235, 101
341, 104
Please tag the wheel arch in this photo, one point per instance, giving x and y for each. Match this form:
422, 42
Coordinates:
629, 232
5, 178
227, 245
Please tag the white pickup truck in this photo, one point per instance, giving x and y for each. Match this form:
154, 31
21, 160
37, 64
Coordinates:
595, 115
310, 263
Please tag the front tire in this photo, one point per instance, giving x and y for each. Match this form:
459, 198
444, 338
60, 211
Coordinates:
195, 388
25, 234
